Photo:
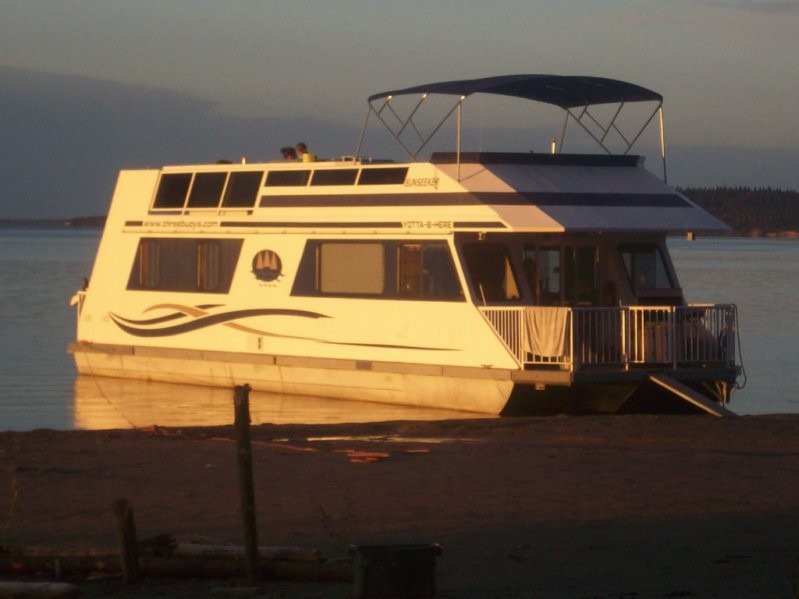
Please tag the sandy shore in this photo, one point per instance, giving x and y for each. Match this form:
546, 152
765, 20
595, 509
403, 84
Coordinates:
622, 506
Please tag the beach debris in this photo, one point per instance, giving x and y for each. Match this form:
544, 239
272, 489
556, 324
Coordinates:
226, 551
358, 456
365, 457
16, 561
163, 431
406, 570
189, 560
237, 591
520, 553
285, 444
39, 590
168, 557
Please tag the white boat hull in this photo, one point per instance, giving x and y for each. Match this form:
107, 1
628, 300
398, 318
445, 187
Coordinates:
455, 388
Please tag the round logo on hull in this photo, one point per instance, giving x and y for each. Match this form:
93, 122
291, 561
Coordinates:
266, 265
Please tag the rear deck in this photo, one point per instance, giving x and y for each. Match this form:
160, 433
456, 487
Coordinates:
576, 339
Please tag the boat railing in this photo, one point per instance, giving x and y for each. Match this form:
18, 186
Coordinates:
575, 338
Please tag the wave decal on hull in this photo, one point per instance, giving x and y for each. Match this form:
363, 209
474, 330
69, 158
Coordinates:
200, 319
181, 312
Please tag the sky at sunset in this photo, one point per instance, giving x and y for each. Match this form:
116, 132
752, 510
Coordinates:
91, 86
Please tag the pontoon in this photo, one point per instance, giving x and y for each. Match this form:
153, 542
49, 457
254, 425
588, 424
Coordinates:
490, 282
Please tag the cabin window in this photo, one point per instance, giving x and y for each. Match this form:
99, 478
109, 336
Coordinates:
542, 270
184, 265
291, 178
580, 276
148, 260
339, 176
208, 265
172, 190
491, 273
242, 189
206, 190
382, 176
351, 268
389, 269
645, 266
426, 271
562, 275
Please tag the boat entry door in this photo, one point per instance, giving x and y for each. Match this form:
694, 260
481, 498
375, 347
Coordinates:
563, 275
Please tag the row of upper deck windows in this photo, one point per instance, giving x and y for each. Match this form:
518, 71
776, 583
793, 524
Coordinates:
241, 189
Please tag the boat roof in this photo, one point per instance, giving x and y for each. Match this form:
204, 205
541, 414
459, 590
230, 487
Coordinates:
495, 192
500, 191
565, 91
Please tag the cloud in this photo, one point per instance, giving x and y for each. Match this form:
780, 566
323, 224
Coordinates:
65, 138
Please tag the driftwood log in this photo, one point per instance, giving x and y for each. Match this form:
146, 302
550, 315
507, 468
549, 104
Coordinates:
166, 558
38, 590
36, 563
292, 554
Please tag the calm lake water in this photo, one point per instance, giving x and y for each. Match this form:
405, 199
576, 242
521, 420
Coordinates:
41, 269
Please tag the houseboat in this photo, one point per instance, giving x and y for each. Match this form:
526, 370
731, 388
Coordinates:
489, 282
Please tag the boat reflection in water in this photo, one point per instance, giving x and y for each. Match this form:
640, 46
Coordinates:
111, 403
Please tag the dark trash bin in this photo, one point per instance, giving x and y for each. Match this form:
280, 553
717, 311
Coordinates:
395, 570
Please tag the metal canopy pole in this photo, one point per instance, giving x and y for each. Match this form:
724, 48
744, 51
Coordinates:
662, 141
563, 132
458, 121
363, 131
579, 120
646, 124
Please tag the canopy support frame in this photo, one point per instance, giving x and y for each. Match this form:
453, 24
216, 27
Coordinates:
381, 105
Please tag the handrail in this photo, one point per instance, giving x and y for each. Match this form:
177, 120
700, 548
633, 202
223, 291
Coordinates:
624, 337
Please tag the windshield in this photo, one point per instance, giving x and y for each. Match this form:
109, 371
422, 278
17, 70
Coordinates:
645, 266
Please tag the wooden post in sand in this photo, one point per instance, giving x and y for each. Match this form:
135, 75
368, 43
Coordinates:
241, 400
126, 536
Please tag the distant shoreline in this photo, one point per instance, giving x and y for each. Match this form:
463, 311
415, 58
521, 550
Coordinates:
80, 222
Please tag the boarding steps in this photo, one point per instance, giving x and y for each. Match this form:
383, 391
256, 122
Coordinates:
693, 397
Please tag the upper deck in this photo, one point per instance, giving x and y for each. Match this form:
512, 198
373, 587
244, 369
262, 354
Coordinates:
442, 192
509, 192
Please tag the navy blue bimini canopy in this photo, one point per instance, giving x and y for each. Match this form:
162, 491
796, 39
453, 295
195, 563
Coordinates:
566, 91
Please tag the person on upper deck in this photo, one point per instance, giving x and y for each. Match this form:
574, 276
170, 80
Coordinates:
304, 154
289, 153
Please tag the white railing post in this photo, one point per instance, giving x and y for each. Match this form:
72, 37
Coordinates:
624, 317
672, 332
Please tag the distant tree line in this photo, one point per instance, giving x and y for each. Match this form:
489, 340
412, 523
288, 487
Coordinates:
79, 222
752, 212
